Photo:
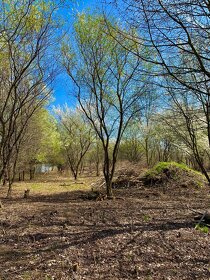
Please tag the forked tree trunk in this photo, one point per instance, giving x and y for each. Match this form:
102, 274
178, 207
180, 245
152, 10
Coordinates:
75, 173
108, 179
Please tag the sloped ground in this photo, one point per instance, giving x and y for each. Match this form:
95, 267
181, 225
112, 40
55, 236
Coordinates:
147, 233
172, 175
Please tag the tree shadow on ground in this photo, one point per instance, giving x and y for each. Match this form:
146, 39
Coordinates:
43, 227
62, 197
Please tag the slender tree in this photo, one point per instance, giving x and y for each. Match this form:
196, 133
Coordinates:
76, 135
104, 74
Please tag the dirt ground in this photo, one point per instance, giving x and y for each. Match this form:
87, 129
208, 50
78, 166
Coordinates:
145, 233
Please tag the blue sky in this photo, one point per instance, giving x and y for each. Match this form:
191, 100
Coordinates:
63, 87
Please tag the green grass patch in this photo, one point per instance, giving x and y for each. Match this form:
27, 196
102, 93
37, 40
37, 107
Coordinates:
163, 166
202, 228
51, 187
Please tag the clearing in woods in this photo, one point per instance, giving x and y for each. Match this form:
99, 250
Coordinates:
146, 233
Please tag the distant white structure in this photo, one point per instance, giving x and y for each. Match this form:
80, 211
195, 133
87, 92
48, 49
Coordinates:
43, 168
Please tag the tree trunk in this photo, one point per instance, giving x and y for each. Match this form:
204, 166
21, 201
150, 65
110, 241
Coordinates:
147, 152
109, 190
81, 168
97, 159
74, 174
199, 161
4, 181
9, 192
97, 168
32, 172
4, 177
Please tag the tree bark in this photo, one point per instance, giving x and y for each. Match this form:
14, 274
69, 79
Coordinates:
109, 190
9, 192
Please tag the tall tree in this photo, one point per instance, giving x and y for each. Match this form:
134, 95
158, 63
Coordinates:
104, 74
26, 33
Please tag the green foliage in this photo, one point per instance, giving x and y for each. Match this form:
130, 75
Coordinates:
76, 135
178, 173
41, 141
34, 15
202, 228
96, 53
75, 131
131, 147
50, 142
163, 166
131, 150
23, 26
146, 218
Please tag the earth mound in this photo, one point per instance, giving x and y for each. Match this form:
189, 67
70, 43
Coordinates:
173, 173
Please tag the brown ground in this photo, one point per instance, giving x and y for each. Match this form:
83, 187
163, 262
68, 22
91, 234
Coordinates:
144, 234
